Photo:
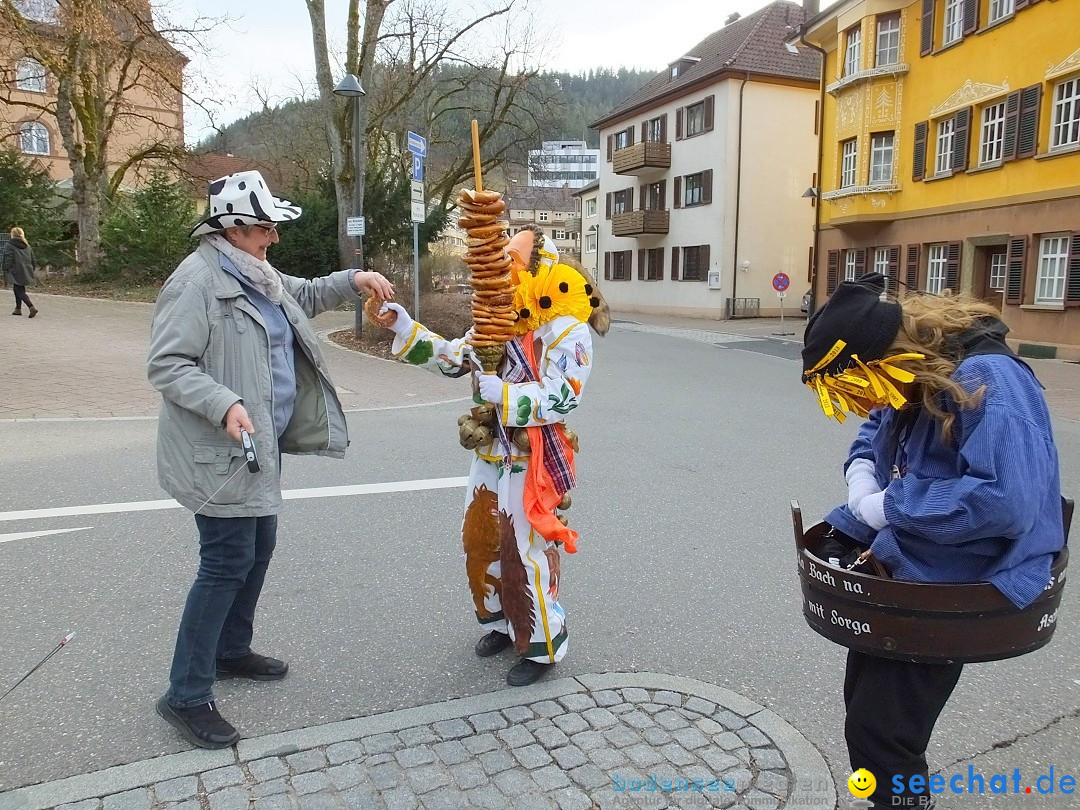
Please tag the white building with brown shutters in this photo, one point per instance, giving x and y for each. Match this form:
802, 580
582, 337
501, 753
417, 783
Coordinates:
703, 172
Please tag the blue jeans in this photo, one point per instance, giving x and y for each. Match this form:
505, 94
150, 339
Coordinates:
217, 622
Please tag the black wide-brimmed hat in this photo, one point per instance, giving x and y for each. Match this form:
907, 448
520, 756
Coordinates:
845, 347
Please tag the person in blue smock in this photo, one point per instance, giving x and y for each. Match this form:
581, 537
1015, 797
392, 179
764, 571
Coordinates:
953, 478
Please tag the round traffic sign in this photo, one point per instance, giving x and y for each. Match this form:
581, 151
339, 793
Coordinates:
781, 282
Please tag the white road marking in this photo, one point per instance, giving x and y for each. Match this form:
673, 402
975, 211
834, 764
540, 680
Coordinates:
289, 495
7, 538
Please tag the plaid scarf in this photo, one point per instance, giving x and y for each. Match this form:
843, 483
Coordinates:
516, 369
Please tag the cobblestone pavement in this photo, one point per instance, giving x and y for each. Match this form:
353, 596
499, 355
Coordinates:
596, 741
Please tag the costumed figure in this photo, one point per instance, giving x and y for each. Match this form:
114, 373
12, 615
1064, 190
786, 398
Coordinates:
523, 465
953, 478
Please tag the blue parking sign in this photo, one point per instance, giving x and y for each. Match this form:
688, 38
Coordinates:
417, 167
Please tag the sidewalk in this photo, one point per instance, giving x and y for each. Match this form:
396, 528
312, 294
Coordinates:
619, 740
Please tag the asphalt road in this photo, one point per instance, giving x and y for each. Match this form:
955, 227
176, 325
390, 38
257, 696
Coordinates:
691, 452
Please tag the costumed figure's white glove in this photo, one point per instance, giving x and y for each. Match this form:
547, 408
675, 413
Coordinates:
871, 511
403, 324
491, 387
861, 482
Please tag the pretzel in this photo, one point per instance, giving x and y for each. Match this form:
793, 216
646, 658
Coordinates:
371, 308
471, 195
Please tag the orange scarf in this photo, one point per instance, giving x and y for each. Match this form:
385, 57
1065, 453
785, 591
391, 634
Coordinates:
541, 495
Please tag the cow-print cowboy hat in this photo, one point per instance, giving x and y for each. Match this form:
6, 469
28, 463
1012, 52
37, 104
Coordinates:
243, 199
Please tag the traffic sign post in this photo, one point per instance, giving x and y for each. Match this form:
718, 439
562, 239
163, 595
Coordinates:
417, 145
780, 283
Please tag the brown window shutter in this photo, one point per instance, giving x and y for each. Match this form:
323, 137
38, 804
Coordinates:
918, 159
703, 253
1015, 259
663, 128
971, 16
894, 266
644, 197
678, 124
660, 264
641, 264
952, 266
610, 146
911, 268
678, 192
961, 138
674, 264
860, 262
926, 43
1072, 278
644, 131
1012, 124
663, 195
1027, 131
607, 204
630, 135
833, 274
607, 266
710, 112
629, 196
706, 186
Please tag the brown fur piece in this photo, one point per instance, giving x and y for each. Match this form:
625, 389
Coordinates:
555, 567
516, 603
480, 536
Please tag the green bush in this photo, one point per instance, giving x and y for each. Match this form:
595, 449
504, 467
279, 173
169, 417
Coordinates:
145, 235
308, 246
28, 200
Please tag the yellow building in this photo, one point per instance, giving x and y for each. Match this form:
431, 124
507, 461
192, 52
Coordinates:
950, 154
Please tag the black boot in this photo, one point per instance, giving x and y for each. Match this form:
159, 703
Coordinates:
200, 725
253, 666
492, 644
18, 311
33, 311
525, 672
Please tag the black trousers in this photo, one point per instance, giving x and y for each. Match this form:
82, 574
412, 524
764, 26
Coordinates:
892, 707
21, 296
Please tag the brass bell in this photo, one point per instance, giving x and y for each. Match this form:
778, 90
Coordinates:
564, 520
521, 440
572, 437
566, 501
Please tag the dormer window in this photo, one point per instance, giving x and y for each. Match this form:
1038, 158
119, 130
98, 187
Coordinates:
679, 67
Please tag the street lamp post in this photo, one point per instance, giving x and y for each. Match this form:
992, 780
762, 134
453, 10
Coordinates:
349, 87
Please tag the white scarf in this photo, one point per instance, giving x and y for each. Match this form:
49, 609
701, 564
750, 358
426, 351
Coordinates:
258, 272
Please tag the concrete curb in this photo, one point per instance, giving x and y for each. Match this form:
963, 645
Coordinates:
813, 783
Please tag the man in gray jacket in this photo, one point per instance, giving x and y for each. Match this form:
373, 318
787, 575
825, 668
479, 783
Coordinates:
231, 350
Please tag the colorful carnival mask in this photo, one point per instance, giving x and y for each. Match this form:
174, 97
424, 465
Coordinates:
554, 291
844, 350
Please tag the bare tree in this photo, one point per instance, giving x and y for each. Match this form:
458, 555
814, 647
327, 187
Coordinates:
111, 74
425, 68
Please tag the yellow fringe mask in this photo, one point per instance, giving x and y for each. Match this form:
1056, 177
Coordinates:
862, 386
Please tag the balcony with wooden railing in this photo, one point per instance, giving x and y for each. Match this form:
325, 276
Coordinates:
640, 223
641, 157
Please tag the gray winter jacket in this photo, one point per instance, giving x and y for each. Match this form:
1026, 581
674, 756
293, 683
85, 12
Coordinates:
208, 350
17, 263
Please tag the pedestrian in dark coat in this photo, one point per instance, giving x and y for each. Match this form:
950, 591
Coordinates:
17, 264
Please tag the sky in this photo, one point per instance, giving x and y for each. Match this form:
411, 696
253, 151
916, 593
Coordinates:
267, 43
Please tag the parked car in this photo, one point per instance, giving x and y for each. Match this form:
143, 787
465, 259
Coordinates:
805, 308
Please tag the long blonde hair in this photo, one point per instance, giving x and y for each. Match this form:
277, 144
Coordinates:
928, 325
19, 233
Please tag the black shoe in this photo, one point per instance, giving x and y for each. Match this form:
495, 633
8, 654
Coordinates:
33, 311
254, 666
525, 672
492, 644
200, 725
17, 312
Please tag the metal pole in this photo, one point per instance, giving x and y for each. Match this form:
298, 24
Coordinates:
416, 269
358, 207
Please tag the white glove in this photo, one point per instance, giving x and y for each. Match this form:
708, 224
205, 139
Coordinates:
861, 482
871, 511
403, 325
491, 387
